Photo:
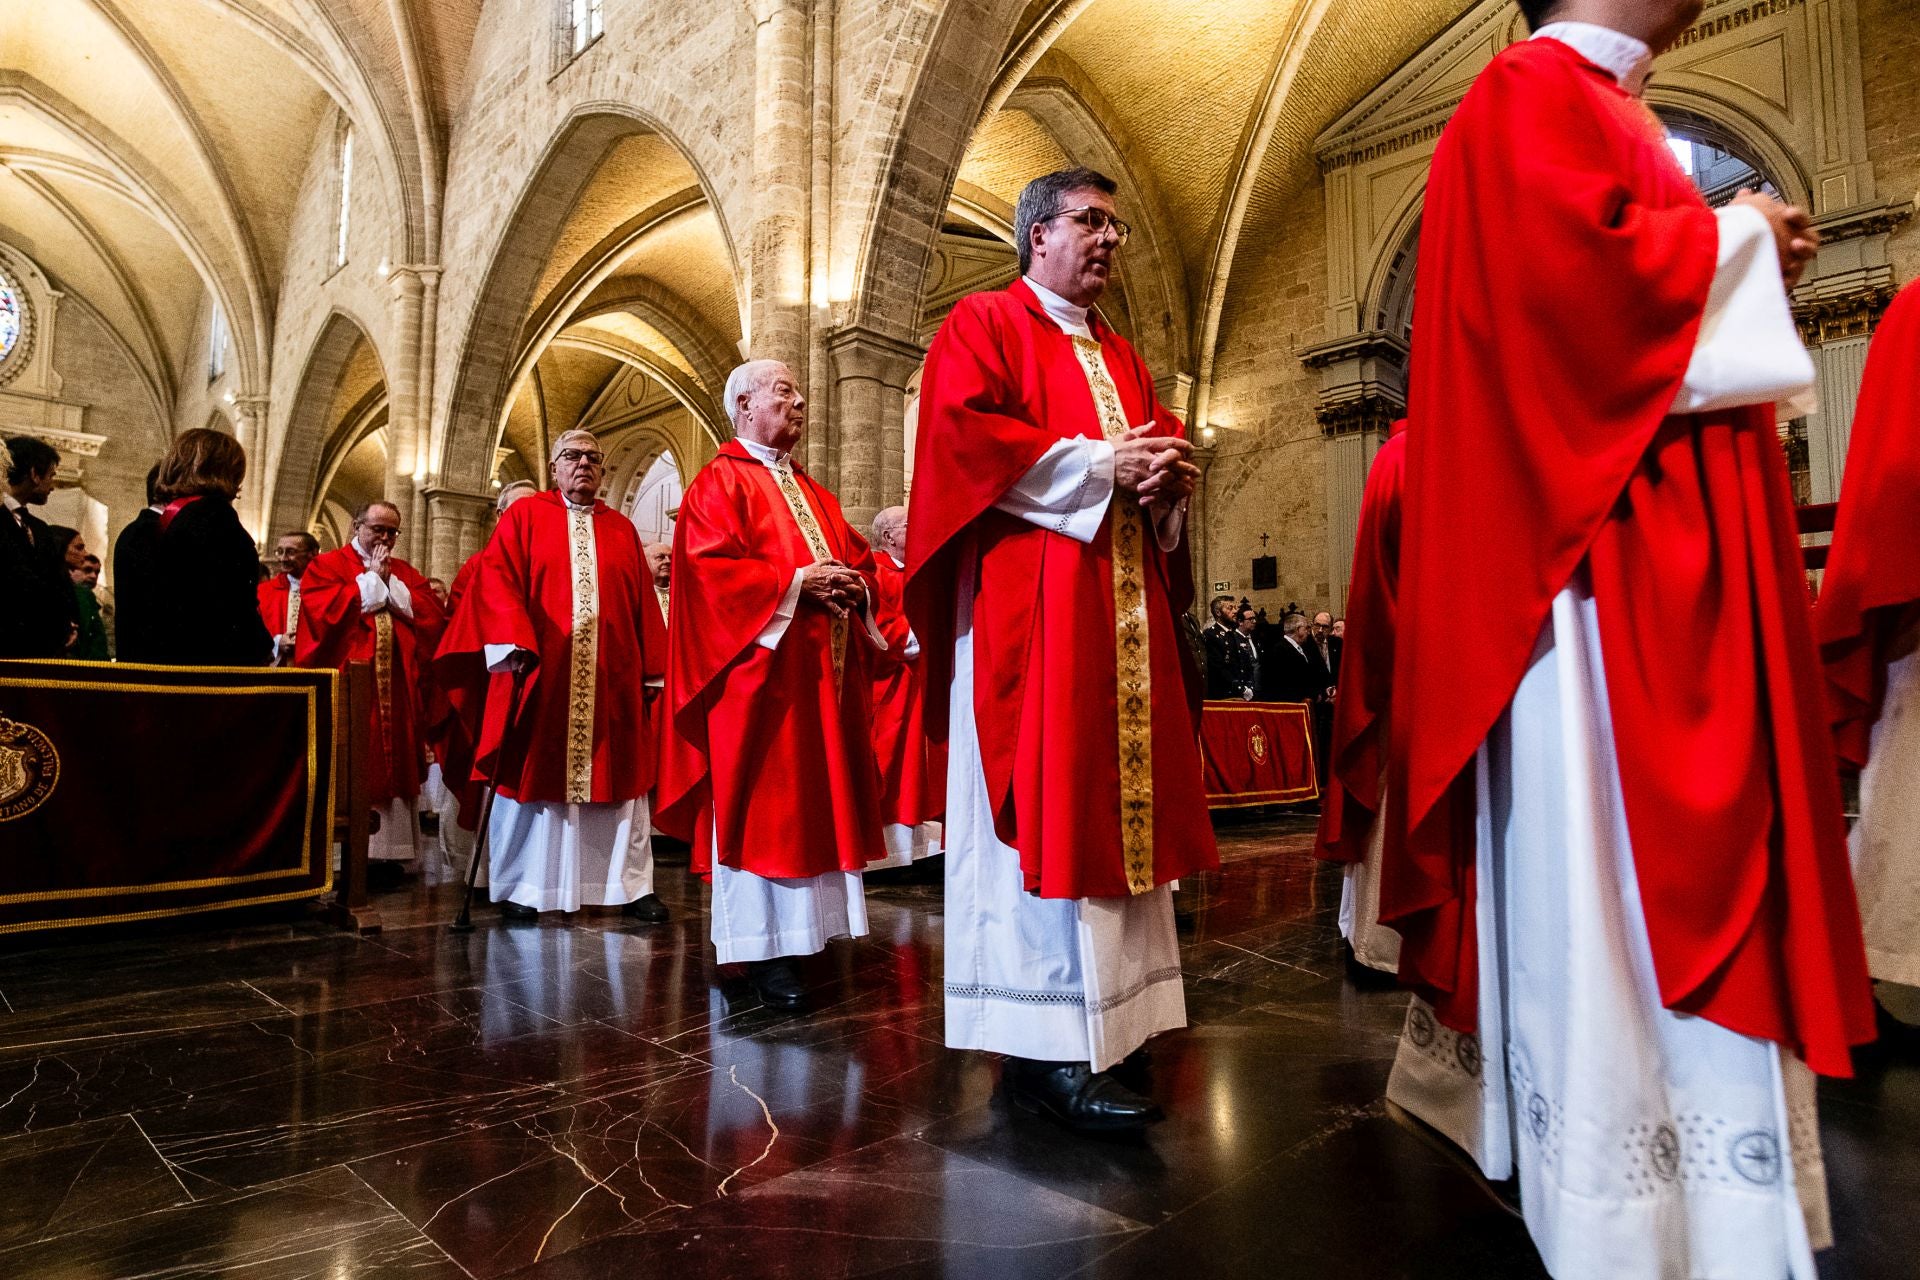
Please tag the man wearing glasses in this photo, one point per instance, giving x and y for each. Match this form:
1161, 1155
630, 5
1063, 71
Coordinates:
1046, 575
562, 592
361, 603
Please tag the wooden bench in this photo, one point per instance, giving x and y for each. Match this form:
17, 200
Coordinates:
353, 799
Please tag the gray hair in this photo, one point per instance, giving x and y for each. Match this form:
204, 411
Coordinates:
885, 521
1293, 623
578, 433
744, 381
511, 492
1045, 197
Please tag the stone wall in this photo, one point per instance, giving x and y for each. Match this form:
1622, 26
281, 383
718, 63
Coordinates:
1267, 474
1890, 80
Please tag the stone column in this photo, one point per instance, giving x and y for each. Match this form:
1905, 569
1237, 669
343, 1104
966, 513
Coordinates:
1351, 443
871, 372
1362, 390
403, 400
782, 174
458, 524
250, 429
1199, 539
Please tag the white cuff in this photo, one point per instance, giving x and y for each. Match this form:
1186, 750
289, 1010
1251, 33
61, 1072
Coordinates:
769, 637
374, 592
1749, 350
1067, 490
497, 655
912, 650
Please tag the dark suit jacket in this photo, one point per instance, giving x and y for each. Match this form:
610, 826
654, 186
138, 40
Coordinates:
1218, 659
37, 606
136, 590
209, 606
1289, 675
1332, 661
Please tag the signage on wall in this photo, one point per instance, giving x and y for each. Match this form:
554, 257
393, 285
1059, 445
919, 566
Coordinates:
1223, 586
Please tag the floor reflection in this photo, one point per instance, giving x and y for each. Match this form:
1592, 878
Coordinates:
588, 1097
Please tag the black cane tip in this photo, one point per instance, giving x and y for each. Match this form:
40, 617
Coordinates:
463, 925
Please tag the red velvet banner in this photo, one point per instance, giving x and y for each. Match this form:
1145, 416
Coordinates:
132, 792
1257, 753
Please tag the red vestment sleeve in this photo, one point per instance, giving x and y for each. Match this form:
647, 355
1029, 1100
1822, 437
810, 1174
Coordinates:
1872, 582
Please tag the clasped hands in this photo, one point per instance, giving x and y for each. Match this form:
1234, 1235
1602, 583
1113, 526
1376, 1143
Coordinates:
1793, 232
833, 586
1157, 470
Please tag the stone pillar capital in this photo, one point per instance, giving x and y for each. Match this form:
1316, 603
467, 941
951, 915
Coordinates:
862, 353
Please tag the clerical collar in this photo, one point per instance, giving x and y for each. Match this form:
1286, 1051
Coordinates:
571, 505
1630, 60
364, 554
1063, 313
764, 452
898, 563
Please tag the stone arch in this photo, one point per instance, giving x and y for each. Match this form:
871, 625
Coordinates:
297, 486
367, 417
496, 331
1716, 119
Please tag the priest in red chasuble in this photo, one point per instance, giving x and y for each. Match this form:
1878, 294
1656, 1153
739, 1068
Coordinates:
913, 770
457, 798
562, 591
1868, 624
769, 765
1350, 830
1615, 851
1047, 571
280, 595
361, 603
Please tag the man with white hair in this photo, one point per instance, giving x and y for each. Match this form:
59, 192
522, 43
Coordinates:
362, 603
456, 797
660, 565
769, 760
562, 595
913, 771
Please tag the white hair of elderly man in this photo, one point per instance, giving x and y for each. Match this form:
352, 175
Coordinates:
747, 379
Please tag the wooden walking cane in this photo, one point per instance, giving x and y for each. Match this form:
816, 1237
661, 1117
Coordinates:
463, 923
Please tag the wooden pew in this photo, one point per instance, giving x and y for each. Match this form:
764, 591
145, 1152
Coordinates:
353, 808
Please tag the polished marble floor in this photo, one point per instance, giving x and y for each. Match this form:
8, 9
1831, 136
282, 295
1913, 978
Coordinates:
588, 1098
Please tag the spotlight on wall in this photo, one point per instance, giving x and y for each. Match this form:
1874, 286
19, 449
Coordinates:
228, 397
383, 268
1207, 435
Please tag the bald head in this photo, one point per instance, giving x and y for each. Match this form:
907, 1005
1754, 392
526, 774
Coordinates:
890, 532
660, 563
765, 404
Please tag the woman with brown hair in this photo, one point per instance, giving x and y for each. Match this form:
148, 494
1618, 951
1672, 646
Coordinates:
206, 613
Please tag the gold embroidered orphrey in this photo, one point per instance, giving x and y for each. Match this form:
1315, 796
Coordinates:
29, 769
293, 608
1257, 744
1133, 670
383, 677
816, 543
584, 671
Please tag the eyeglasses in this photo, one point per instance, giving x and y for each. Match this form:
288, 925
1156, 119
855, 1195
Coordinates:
383, 530
592, 457
1096, 220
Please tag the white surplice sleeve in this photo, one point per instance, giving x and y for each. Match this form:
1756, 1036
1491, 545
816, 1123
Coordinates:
1067, 490
1749, 350
769, 637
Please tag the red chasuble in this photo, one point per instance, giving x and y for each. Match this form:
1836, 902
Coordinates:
581, 736
913, 770
1003, 384
1565, 261
770, 751
449, 736
333, 632
273, 595
1872, 583
1359, 749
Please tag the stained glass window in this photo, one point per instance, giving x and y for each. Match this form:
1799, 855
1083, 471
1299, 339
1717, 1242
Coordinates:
10, 305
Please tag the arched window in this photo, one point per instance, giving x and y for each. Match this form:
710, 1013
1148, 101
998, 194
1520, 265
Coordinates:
657, 500
217, 339
343, 211
579, 26
12, 317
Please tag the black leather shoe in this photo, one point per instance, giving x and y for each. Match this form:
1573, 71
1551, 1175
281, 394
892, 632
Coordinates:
777, 984
514, 913
1084, 1100
647, 910
1135, 1071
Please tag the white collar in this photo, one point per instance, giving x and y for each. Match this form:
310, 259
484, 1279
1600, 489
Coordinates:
359, 550
10, 502
571, 505
1629, 60
1070, 318
766, 453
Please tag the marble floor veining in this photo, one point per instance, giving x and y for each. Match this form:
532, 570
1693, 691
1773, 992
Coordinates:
264, 1097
